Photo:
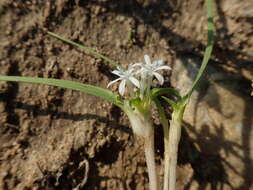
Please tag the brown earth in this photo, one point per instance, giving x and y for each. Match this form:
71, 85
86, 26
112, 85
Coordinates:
53, 139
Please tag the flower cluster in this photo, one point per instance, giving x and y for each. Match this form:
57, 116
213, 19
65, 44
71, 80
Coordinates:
139, 75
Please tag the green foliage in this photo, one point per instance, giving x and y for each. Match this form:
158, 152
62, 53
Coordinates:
86, 49
178, 103
77, 86
209, 48
155, 92
182, 101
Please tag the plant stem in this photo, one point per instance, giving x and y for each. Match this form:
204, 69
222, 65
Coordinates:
150, 160
142, 127
166, 158
174, 138
164, 122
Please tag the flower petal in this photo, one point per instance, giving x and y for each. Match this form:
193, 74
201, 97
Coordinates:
122, 87
163, 67
110, 83
137, 64
135, 81
159, 77
131, 66
117, 72
157, 63
147, 59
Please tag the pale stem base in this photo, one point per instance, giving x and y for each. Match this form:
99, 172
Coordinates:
174, 138
142, 127
166, 161
150, 159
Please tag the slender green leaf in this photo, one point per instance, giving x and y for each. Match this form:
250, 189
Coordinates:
209, 48
161, 91
85, 88
173, 104
163, 118
87, 49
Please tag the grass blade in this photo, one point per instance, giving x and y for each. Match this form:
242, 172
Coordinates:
77, 86
209, 48
86, 49
155, 92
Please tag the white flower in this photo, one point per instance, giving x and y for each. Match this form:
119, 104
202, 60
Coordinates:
149, 69
126, 77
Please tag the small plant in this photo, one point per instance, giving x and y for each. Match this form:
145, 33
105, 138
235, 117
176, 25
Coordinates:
135, 99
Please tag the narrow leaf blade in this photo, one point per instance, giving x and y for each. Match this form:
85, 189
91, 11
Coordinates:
171, 102
161, 91
87, 49
209, 48
77, 86
163, 118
